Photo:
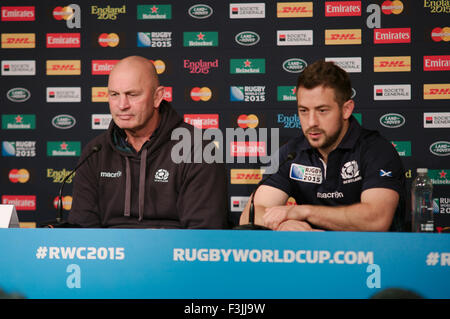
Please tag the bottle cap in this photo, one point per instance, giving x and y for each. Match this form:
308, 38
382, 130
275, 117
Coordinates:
422, 170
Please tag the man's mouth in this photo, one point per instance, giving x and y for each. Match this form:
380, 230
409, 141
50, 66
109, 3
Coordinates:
124, 116
314, 134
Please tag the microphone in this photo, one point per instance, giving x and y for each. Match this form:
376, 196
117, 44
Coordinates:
59, 219
251, 214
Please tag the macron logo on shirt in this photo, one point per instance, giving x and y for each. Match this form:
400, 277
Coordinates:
111, 174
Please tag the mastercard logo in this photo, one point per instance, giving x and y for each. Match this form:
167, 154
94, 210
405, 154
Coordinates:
66, 202
389, 7
108, 40
63, 13
160, 66
201, 94
441, 34
19, 175
248, 121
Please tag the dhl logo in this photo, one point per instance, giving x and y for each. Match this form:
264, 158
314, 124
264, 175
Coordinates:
63, 67
245, 176
294, 9
99, 94
392, 64
349, 36
344, 36
18, 40
436, 91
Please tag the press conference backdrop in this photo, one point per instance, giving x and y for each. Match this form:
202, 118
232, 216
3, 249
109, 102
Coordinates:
224, 65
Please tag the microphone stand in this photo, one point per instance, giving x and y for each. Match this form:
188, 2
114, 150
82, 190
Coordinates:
251, 213
59, 215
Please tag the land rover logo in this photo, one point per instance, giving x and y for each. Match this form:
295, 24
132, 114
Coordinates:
294, 65
441, 148
392, 120
247, 38
18, 95
200, 11
63, 121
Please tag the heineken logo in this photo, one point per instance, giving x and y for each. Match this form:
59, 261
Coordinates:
201, 39
294, 65
63, 121
200, 11
403, 147
18, 95
247, 66
63, 148
439, 176
392, 120
441, 148
18, 121
286, 93
154, 12
247, 38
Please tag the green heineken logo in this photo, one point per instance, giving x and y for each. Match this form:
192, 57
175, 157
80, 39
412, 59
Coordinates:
286, 93
63, 148
439, 176
403, 147
247, 66
18, 121
201, 39
154, 12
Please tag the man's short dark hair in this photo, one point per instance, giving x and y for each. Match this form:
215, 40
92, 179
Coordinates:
329, 75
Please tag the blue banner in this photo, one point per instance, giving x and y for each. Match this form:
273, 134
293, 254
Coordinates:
222, 264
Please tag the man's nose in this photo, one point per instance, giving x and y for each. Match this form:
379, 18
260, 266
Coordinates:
123, 102
312, 119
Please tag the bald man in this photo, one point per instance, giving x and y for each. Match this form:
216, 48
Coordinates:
132, 181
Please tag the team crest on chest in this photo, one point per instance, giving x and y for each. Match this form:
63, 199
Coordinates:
350, 172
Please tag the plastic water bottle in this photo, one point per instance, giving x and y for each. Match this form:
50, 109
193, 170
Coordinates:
422, 202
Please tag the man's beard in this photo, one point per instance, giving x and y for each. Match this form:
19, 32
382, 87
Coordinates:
329, 140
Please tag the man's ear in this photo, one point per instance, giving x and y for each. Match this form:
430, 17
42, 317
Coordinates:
347, 109
158, 96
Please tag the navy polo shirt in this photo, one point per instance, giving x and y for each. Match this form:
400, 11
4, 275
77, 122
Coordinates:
363, 160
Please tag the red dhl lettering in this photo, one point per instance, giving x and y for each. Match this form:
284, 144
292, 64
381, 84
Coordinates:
18, 41
349, 36
63, 67
295, 10
392, 64
248, 176
101, 94
439, 91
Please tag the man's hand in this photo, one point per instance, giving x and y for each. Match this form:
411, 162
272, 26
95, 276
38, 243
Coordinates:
287, 218
274, 216
295, 225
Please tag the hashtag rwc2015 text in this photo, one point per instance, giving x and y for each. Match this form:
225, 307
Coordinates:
81, 253
438, 259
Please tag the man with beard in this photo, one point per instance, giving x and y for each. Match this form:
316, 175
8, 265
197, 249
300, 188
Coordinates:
343, 177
